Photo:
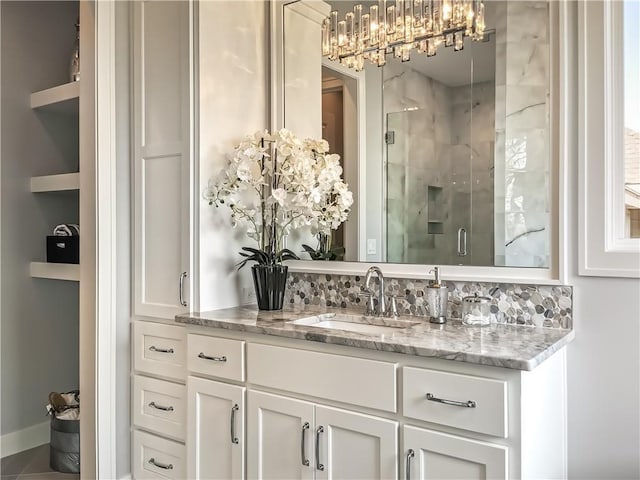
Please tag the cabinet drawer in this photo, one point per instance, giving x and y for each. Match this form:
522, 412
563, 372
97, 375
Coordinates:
472, 403
155, 457
215, 357
160, 406
159, 349
358, 381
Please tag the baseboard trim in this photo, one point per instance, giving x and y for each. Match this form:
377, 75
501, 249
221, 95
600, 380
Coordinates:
24, 439
126, 477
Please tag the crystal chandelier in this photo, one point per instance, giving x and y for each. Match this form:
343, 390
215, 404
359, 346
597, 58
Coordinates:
397, 27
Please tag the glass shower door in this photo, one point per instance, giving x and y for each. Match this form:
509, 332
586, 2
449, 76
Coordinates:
428, 192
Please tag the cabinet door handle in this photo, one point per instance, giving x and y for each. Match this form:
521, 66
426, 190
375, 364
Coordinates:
153, 348
234, 409
467, 404
213, 359
303, 449
183, 302
462, 242
164, 466
319, 465
407, 470
161, 407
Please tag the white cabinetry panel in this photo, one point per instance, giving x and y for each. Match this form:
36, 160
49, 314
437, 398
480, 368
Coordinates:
162, 140
355, 445
440, 456
215, 430
359, 381
162, 260
280, 437
294, 439
165, 30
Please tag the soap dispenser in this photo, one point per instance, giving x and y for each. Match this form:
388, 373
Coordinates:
437, 297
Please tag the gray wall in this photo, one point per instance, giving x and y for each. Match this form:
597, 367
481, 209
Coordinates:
39, 318
604, 359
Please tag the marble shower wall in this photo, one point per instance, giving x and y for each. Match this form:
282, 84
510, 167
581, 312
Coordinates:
522, 236
533, 305
439, 168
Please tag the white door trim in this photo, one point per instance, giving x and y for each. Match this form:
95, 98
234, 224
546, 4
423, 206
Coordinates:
105, 248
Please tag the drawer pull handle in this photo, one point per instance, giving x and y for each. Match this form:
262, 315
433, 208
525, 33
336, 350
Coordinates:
164, 466
319, 465
213, 359
234, 409
467, 404
407, 470
305, 460
153, 348
161, 407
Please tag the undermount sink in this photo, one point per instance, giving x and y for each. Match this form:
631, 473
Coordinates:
355, 323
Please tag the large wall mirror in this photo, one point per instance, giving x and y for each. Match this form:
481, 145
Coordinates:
450, 157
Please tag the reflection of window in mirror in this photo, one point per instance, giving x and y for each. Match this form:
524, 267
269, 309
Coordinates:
631, 61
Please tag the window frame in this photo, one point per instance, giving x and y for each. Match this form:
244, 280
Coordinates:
604, 250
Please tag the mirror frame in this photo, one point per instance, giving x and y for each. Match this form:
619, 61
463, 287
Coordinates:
562, 124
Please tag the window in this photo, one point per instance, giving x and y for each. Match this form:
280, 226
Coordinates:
609, 61
631, 61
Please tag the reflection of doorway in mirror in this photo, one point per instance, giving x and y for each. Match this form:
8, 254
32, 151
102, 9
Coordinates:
333, 132
340, 123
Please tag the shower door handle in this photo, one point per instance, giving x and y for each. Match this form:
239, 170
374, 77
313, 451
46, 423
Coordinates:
462, 242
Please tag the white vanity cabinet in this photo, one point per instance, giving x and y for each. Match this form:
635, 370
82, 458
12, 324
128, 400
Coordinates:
260, 406
295, 439
331, 443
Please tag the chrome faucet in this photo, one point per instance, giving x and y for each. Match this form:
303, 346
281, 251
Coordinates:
382, 304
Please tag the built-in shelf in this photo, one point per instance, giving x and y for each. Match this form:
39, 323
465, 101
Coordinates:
434, 210
55, 271
56, 183
63, 98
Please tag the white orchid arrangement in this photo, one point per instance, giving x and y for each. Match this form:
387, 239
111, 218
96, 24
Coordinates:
275, 182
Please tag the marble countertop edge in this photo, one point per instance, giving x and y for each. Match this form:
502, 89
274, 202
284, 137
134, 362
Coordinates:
507, 346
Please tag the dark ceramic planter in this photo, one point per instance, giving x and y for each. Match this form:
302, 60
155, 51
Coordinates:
270, 282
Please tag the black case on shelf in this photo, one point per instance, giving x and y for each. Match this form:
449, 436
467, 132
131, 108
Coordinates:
62, 249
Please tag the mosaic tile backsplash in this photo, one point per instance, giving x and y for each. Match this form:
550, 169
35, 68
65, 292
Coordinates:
535, 305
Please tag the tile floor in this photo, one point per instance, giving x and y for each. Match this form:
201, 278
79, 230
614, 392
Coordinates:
32, 465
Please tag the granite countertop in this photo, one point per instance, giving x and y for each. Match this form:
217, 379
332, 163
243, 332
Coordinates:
501, 345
